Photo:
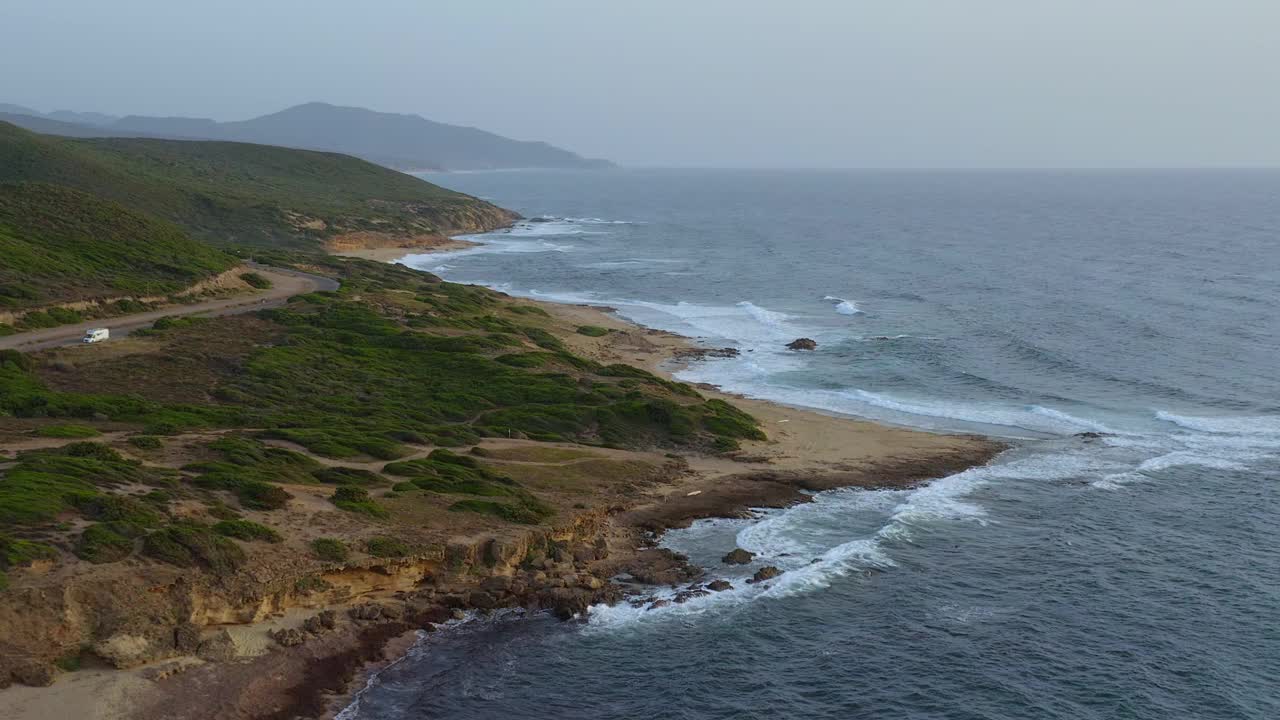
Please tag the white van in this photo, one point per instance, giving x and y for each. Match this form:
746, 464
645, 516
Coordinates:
95, 335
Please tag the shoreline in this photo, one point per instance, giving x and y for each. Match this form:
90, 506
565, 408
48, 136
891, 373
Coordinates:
830, 442
392, 253
806, 451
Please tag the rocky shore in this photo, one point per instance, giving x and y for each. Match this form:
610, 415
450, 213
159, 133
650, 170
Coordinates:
289, 640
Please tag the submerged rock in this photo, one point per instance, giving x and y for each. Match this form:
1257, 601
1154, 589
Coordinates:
803, 344
738, 556
685, 596
768, 572
693, 354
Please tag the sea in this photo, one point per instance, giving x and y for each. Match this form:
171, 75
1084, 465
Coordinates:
1119, 329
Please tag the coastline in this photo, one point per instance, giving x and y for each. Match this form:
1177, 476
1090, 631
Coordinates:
380, 249
807, 451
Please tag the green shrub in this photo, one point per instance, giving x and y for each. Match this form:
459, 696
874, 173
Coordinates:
387, 547
255, 280
257, 495
107, 542
593, 330
542, 338
17, 553
246, 530
528, 310
329, 549
67, 431
348, 476
356, 499
15, 360
526, 511
120, 508
191, 545
46, 483
146, 442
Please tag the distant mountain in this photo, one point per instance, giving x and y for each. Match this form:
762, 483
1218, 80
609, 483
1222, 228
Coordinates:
48, 126
86, 118
11, 109
406, 142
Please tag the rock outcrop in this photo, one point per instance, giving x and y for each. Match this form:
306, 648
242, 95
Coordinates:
219, 648
738, 556
803, 344
768, 572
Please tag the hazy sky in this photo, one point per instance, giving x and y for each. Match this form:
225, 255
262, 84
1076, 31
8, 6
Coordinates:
818, 83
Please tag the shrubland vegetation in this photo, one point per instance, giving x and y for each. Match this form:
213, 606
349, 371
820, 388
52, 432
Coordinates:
60, 244
395, 360
239, 193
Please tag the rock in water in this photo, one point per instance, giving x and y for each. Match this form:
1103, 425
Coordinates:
738, 557
768, 572
719, 585
802, 344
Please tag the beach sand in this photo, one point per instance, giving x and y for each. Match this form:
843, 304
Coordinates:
395, 251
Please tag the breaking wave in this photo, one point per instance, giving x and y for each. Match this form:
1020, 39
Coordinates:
844, 307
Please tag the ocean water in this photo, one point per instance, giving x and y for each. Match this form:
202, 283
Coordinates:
1132, 575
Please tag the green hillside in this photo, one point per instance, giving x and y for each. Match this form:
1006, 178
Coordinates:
59, 244
245, 194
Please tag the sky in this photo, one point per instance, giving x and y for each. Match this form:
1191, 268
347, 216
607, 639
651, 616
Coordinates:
759, 83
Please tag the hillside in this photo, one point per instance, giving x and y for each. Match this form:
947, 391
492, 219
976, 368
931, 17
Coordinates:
408, 142
60, 244
49, 125
247, 194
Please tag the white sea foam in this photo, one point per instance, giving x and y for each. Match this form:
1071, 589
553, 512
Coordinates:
598, 221
768, 317
882, 338
1182, 457
844, 307
1231, 425
1034, 417
1071, 420
791, 538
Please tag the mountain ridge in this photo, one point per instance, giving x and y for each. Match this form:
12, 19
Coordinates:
400, 141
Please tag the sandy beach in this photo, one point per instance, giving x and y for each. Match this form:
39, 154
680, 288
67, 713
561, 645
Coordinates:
383, 250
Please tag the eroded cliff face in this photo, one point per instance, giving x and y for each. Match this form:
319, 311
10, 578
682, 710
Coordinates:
474, 217
129, 616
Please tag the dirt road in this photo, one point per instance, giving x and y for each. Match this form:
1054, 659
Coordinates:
284, 285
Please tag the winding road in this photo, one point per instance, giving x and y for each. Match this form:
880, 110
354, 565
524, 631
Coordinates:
284, 285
